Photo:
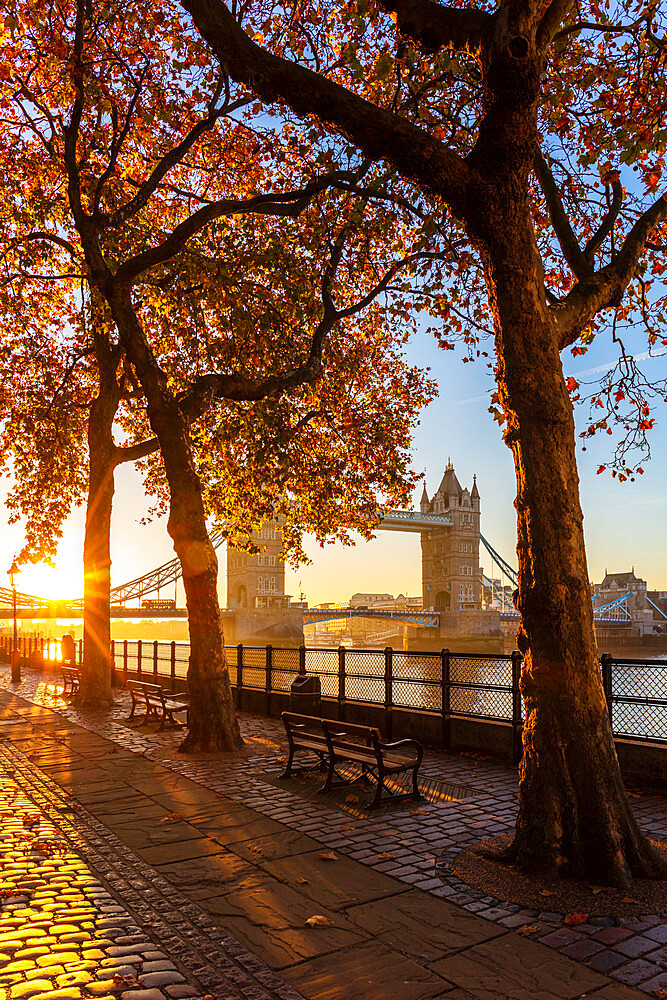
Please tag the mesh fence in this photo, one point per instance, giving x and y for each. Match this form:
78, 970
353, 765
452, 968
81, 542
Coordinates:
324, 663
417, 681
232, 654
254, 667
364, 675
639, 699
481, 685
285, 668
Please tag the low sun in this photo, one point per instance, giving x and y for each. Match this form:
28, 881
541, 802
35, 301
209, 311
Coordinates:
61, 582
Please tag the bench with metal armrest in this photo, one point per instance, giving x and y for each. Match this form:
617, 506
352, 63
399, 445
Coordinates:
158, 702
334, 743
71, 679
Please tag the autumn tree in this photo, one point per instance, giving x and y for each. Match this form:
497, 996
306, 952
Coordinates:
519, 118
146, 234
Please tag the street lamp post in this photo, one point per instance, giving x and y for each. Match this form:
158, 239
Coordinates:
16, 664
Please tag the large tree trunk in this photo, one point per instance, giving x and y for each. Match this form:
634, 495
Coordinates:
574, 816
213, 725
95, 684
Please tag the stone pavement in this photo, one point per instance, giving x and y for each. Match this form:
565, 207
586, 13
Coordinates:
240, 852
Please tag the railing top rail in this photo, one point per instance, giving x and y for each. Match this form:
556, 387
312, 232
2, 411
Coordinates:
632, 662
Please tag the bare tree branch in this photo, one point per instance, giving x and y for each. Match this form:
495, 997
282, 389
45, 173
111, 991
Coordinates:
431, 26
605, 288
607, 224
284, 205
171, 159
416, 155
569, 243
133, 452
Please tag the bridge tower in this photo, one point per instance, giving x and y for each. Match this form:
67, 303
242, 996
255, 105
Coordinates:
451, 576
258, 581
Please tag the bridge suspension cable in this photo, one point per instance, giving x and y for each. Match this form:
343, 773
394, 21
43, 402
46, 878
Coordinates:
158, 578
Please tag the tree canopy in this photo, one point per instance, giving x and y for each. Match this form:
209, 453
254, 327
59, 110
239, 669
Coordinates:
539, 129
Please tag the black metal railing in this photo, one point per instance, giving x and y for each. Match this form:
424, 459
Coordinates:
444, 684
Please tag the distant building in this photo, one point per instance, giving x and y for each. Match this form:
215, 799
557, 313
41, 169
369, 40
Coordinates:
385, 602
451, 577
366, 600
616, 585
258, 580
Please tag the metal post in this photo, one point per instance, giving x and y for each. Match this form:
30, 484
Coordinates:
302, 660
155, 652
114, 680
606, 662
172, 671
445, 700
80, 653
517, 725
388, 694
269, 668
139, 658
125, 662
239, 676
341, 683
16, 665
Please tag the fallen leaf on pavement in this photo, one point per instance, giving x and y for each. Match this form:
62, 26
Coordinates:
386, 857
301, 881
171, 818
629, 899
547, 892
351, 798
318, 921
575, 918
328, 857
527, 930
128, 980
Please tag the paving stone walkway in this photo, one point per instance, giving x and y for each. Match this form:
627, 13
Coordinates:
245, 852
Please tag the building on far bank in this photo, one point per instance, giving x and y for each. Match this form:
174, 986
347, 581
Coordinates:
640, 610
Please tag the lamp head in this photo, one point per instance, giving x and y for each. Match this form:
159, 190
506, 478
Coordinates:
13, 570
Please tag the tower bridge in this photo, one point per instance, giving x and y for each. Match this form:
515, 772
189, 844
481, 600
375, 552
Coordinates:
448, 524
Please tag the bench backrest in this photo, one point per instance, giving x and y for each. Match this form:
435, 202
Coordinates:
70, 671
141, 687
302, 723
348, 735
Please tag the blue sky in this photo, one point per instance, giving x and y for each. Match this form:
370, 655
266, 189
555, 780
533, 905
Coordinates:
624, 523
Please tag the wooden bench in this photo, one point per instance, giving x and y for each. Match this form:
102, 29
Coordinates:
70, 679
158, 702
337, 742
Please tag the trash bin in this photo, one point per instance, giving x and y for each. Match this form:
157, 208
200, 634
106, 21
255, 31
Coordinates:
306, 695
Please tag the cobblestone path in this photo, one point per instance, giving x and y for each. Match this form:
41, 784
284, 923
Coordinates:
283, 831
69, 932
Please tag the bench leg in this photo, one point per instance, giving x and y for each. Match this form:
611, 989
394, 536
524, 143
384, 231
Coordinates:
331, 770
416, 794
131, 715
377, 798
288, 767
